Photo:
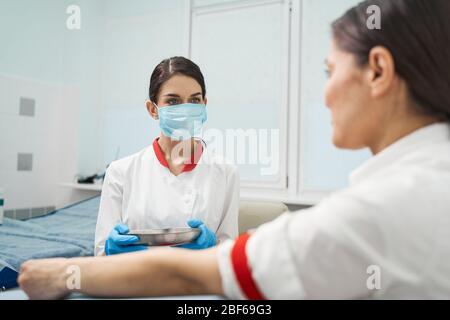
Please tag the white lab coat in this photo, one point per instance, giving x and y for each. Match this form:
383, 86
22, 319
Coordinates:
386, 236
142, 193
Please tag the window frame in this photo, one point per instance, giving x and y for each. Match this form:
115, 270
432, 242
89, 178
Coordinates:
289, 188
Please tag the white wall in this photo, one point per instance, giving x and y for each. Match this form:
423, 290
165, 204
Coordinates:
135, 39
51, 140
107, 63
31, 34
82, 65
31, 41
43, 60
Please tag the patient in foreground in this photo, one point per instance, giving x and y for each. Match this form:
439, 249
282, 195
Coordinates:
388, 90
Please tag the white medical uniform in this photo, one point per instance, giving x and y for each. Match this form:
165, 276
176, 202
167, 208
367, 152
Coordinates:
386, 236
142, 193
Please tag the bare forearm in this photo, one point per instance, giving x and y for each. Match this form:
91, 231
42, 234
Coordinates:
157, 272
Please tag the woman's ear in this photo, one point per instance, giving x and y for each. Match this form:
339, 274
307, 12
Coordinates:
206, 101
152, 109
381, 71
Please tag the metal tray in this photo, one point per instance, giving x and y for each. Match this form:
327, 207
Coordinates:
166, 237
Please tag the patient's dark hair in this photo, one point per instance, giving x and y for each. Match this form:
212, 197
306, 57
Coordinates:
417, 33
174, 66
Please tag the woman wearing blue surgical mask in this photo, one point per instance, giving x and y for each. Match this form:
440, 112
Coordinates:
175, 182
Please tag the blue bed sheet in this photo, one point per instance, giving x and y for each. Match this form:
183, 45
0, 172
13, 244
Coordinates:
68, 232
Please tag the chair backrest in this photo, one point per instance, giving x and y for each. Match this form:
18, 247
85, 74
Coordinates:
253, 214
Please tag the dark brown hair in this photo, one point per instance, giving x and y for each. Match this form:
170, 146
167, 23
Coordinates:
174, 66
417, 33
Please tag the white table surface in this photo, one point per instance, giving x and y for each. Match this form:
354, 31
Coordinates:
17, 294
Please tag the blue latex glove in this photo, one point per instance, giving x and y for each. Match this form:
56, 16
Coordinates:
206, 238
119, 242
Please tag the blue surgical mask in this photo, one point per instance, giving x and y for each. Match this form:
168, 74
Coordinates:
182, 121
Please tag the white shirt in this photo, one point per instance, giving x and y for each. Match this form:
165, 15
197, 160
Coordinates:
142, 193
386, 236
